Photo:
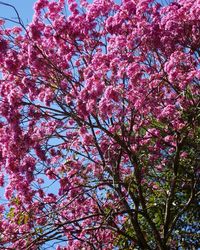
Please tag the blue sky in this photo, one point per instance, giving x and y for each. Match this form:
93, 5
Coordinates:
24, 7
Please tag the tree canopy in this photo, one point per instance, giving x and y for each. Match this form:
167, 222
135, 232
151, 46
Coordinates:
99, 126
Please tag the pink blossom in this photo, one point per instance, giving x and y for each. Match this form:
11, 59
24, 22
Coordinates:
99, 108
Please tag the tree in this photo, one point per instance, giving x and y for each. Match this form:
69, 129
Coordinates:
100, 135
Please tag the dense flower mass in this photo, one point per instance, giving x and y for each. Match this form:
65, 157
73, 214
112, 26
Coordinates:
99, 129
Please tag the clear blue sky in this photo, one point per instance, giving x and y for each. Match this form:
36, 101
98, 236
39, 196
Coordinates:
24, 7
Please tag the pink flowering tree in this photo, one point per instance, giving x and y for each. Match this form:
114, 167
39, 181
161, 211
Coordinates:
100, 126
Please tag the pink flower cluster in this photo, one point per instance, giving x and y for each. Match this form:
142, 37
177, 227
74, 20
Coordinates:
81, 98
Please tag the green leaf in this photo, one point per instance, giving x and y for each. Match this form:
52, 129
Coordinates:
11, 213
